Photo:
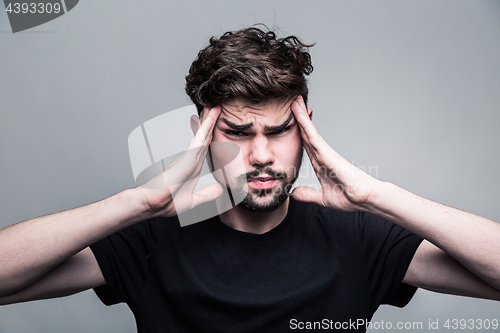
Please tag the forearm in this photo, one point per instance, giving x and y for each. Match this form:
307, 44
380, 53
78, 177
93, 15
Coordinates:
29, 249
471, 239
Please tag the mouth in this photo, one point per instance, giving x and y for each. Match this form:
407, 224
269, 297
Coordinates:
262, 182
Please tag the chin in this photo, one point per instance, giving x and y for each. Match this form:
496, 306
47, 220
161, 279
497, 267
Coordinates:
253, 202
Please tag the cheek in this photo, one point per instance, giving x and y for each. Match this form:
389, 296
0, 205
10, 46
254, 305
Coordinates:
227, 153
217, 136
294, 142
290, 151
296, 152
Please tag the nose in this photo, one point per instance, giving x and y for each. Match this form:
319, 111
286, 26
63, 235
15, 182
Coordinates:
261, 154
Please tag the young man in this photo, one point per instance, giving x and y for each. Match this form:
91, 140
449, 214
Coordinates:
276, 261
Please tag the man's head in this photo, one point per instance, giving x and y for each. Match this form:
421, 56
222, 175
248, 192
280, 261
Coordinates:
251, 65
255, 77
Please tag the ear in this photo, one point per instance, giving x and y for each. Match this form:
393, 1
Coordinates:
310, 113
195, 123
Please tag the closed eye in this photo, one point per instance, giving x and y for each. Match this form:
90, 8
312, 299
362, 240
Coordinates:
239, 134
281, 131
235, 133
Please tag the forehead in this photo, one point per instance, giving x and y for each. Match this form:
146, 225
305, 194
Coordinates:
269, 112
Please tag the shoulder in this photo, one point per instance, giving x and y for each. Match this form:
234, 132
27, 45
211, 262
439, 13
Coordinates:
315, 214
335, 227
363, 226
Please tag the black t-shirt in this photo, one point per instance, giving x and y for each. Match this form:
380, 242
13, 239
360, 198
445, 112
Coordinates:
317, 265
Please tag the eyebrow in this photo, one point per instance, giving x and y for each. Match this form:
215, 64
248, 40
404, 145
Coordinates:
281, 127
245, 127
237, 127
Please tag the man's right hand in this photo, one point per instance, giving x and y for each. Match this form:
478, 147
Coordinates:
49, 256
180, 178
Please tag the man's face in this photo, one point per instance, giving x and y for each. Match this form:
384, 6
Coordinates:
270, 143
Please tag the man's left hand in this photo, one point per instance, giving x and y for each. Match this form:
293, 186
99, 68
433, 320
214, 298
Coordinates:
343, 185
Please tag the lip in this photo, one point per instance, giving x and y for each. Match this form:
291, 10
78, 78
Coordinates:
263, 182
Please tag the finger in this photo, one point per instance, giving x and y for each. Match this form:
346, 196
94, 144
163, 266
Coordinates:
207, 123
188, 166
204, 113
311, 152
208, 193
308, 130
302, 104
211, 117
307, 194
209, 111
192, 158
313, 157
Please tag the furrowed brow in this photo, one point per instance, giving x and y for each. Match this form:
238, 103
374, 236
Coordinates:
281, 127
235, 127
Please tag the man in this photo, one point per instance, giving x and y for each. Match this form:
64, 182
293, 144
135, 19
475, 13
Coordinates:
276, 262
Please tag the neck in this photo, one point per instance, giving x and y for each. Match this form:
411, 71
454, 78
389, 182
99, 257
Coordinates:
254, 222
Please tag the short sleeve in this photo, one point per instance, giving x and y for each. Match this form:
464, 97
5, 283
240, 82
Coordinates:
388, 250
124, 259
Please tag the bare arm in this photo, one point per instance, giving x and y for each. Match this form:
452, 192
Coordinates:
470, 263
30, 249
78, 273
435, 270
43, 257
471, 240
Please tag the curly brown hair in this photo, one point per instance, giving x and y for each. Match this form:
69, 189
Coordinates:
249, 64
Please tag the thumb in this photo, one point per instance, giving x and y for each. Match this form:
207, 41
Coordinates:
208, 193
194, 122
307, 194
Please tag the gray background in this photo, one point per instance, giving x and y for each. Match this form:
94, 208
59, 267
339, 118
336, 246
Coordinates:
410, 88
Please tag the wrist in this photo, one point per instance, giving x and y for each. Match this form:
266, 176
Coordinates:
378, 197
133, 205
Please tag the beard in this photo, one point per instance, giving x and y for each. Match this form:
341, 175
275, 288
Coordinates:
269, 199
276, 195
